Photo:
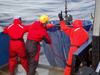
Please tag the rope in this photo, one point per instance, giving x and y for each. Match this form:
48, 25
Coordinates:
56, 54
61, 44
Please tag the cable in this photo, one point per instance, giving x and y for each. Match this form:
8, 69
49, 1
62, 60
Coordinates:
56, 54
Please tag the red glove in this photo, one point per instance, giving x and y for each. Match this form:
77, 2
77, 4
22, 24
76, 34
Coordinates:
49, 25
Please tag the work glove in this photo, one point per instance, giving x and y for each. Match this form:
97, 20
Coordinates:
60, 16
49, 25
50, 43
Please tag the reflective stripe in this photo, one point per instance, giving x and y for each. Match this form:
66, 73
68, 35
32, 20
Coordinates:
21, 26
10, 26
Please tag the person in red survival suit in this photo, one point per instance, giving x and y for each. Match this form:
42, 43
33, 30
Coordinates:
77, 36
36, 34
17, 45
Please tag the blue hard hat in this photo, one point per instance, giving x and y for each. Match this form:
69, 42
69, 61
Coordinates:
18, 17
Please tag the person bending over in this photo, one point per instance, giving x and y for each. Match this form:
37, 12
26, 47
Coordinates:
36, 34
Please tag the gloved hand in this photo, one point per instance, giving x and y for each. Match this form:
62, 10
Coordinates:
50, 43
49, 25
60, 16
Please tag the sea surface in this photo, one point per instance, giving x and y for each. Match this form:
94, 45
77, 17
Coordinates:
31, 10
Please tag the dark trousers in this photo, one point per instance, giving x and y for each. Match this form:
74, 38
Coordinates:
32, 53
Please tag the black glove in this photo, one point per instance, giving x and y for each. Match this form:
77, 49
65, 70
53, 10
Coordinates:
60, 16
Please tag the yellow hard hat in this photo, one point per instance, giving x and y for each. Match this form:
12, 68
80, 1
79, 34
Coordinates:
44, 19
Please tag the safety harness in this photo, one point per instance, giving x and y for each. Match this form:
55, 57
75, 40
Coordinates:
18, 40
75, 46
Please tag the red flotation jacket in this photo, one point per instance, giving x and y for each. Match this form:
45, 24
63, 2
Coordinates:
37, 32
17, 45
78, 36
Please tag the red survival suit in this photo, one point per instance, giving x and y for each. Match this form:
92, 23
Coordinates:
77, 36
36, 34
17, 45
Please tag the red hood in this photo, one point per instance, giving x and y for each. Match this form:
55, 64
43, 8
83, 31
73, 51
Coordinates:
17, 21
77, 24
37, 25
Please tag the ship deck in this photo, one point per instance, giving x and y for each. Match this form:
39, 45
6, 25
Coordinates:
42, 69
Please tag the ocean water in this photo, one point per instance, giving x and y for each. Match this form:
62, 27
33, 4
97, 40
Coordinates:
31, 10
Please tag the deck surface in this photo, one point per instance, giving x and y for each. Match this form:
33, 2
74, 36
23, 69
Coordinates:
43, 68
